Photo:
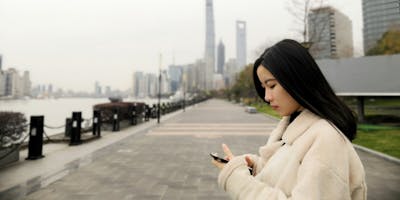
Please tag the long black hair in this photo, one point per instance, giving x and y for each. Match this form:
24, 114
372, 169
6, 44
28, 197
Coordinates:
298, 73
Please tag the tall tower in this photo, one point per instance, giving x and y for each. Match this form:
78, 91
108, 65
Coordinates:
378, 17
209, 56
241, 44
220, 57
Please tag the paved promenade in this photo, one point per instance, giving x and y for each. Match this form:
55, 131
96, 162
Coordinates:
171, 161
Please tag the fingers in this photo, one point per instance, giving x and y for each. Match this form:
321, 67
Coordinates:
249, 161
218, 164
227, 151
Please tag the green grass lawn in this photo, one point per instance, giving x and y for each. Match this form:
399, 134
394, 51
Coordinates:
385, 139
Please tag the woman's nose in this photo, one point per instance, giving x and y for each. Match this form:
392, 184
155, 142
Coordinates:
267, 97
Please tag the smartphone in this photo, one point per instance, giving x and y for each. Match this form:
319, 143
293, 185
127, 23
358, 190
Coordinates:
219, 159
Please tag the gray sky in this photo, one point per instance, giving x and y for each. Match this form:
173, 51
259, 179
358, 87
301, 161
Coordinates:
73, 43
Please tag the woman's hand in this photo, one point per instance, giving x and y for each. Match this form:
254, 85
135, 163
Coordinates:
250, 162
228, 156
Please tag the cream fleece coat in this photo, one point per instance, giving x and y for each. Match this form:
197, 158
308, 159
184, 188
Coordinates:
306, 159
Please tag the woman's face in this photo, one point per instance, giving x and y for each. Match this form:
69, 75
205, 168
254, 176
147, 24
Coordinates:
276, 95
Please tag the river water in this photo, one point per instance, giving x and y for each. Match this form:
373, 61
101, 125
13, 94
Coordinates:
55, 111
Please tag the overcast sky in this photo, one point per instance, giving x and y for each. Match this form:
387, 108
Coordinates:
73, 43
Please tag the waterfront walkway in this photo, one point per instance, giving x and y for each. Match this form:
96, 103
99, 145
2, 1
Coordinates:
166, 161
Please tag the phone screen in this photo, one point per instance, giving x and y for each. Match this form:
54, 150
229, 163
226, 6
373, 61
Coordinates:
219, 159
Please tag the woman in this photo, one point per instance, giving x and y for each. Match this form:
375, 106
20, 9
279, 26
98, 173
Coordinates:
309, 155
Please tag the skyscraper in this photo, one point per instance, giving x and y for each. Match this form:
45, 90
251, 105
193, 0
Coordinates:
378, 17
175, 74
220, 57
330, 33
241, 44
209, 56
137, 80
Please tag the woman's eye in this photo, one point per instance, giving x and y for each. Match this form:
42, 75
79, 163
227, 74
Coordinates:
272, 86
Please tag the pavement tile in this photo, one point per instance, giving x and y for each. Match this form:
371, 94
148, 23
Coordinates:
167, 166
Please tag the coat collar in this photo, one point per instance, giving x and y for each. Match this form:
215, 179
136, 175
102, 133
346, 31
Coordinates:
290, 132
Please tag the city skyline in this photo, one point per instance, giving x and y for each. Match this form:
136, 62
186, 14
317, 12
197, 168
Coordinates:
107, 41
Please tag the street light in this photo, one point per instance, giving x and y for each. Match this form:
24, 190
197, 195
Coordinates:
159, 93
184, 90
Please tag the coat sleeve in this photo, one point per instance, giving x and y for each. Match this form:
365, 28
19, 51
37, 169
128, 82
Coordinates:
236, 180
314, 179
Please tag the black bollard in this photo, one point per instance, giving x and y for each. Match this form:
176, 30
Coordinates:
115, 120
36, 138
68, 127
96, 126
147, 113
76, 128
154, 111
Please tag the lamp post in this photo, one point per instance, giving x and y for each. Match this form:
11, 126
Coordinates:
184, 91
159, 93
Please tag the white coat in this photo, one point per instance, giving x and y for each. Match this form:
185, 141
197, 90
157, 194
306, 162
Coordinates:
306, 159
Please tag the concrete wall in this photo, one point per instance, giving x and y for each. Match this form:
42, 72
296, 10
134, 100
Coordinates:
370, 76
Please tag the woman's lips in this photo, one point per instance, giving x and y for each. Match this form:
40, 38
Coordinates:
275, 107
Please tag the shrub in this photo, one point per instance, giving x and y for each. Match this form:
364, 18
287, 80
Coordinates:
12, 127
124, 110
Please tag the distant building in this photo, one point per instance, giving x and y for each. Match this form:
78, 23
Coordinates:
378, 17
241, 45
175, 74
146, 85
219, 82
107, 91
220, 57
14, 85
97, 89
231, 69
209, 56
152, 85
1, 61
201, 75
27, 84
191, 81
330, 33
136, 82
50, 89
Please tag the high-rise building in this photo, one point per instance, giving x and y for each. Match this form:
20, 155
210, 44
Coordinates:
136, 83
27, 84
175, 74
220, 57
330, 33
152, 85
241, 44
14, 84
378, 17
209, 56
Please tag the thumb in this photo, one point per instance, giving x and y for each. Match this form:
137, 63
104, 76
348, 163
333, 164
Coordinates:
249, 161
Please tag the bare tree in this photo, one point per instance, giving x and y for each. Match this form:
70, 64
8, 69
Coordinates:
300, 10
